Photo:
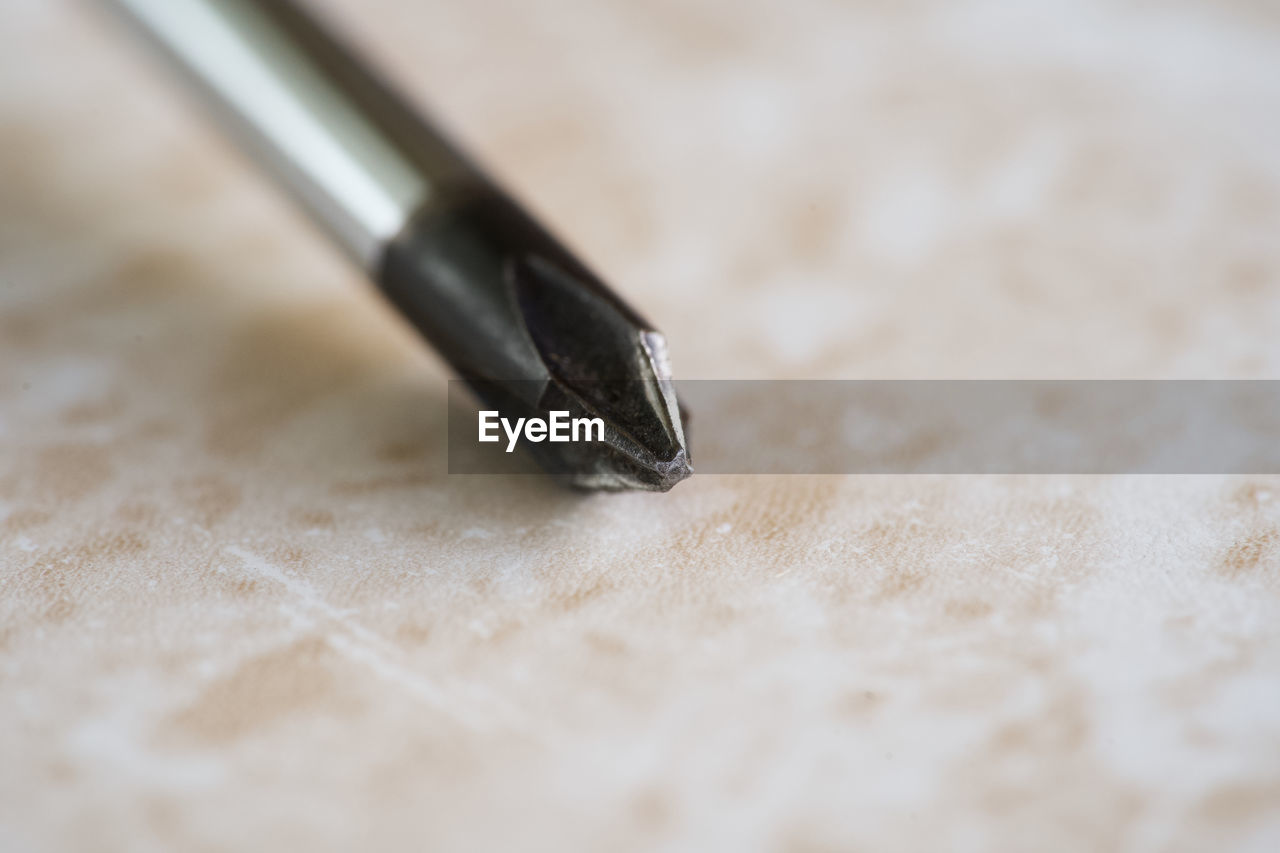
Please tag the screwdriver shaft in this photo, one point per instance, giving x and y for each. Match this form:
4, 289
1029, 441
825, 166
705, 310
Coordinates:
351, 152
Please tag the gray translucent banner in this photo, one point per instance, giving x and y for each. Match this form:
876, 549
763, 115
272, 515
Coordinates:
948, 427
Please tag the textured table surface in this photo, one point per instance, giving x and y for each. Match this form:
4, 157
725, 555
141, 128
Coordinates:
242, 606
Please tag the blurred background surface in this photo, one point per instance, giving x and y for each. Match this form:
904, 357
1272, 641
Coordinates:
241, 604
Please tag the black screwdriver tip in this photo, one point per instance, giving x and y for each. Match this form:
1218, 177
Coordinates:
603, 360
533, 331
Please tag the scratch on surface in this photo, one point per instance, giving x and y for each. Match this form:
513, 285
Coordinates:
470, 706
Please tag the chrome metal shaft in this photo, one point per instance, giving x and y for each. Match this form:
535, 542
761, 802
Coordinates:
349, 150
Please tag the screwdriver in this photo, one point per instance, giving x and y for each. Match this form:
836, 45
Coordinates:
514, 313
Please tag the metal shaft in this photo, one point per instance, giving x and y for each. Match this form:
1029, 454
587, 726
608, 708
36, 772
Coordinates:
347, 148
512, 310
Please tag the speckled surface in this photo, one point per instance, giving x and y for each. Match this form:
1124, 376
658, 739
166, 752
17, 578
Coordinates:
242, 606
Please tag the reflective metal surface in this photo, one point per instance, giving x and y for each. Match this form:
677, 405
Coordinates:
334, 136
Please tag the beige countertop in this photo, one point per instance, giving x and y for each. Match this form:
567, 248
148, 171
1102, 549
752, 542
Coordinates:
243, 606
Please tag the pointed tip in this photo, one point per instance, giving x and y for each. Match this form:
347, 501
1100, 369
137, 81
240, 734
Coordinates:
622, 464
623, 474
602, 358
673, 472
